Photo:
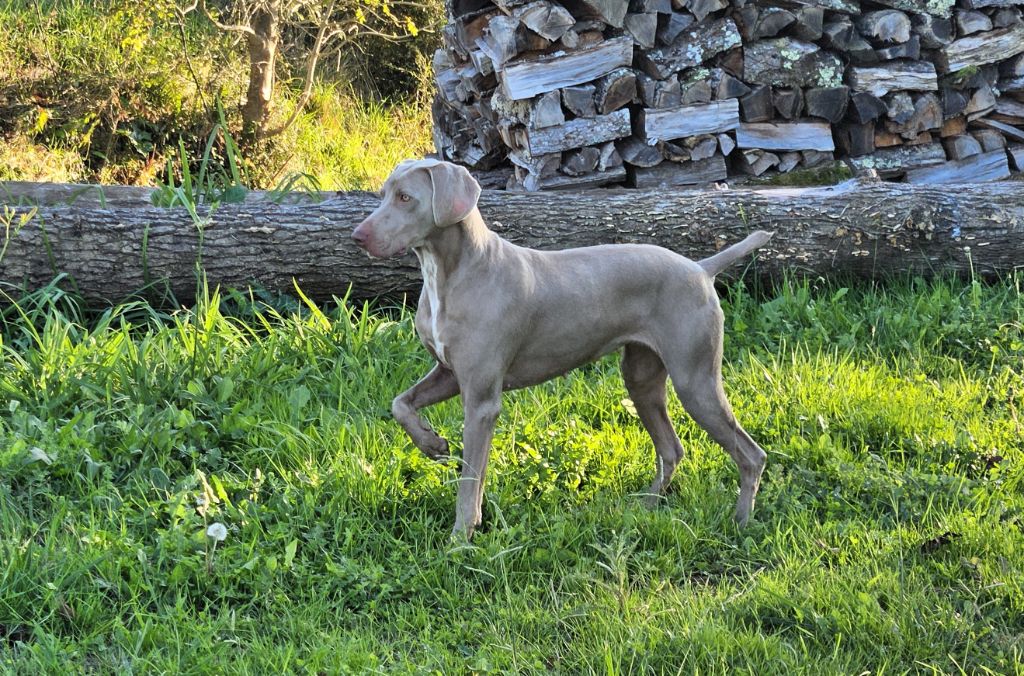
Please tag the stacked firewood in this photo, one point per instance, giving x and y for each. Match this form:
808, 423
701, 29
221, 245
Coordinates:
582, 93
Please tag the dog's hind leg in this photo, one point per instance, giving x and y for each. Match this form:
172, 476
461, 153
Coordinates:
645, 376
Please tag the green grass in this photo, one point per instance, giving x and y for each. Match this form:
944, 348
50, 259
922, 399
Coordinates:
353, 144
887, 536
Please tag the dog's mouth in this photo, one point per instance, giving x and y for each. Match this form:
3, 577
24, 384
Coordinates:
385, 251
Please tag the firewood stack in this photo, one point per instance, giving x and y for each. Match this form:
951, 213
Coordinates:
584, 93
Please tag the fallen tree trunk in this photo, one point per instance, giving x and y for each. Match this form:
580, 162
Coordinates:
111, 247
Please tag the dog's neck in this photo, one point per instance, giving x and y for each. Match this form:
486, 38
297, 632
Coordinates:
459, 244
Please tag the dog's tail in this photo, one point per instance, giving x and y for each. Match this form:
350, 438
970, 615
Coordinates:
723, 259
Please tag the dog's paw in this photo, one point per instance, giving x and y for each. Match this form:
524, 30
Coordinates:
461, 536
436, 449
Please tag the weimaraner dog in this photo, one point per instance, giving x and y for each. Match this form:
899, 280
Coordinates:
497, 316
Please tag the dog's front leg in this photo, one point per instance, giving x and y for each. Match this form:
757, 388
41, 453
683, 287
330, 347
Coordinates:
435, 387
482, 404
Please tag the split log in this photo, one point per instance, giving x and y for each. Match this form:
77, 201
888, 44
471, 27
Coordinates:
581, 162
615, 90
702, 8
726, 143
609, 157
1007, 130
730, 87
594, 179
982, 102
886, 25
887, 139
639, 154
990, 139
578, 133
670, 123
547, 19
926, 114
770, 22
809, 23
891, 162
984, 167
1016, 153
935, 32
611, 12
981, 49
866, 107
789, 103
814, 158
856, 139
669, 28
701, 147
789, 161
972, 21
1004, 17
913, 75
546, 111
791, 63
786, 136
938, 8
757, 105
668, 174
523, 79
863, 229
660, 93
911, 49
643, 27
827, 102
1009, 110
691, 47
694, 87
579, 100
961, 147
755, 162
954, 103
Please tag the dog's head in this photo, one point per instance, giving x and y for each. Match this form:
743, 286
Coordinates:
419, 196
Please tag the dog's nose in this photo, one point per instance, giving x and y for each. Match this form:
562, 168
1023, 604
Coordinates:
360, 237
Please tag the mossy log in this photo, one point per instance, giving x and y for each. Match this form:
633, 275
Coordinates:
111, 248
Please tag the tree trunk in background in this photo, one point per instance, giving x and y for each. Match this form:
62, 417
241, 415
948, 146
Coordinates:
262, 54
866, 230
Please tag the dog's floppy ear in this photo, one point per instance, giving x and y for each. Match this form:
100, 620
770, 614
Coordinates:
455, 192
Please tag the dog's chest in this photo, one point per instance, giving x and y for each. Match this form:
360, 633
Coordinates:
430, 314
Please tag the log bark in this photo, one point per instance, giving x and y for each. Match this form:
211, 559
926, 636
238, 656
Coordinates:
864, 229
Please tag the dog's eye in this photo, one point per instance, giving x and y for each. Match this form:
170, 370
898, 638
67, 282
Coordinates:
404, 197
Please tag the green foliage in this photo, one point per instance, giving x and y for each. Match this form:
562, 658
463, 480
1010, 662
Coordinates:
215, 182
887, 536
110, 90
106, 79
394, 70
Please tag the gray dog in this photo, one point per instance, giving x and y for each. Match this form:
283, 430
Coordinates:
497, 316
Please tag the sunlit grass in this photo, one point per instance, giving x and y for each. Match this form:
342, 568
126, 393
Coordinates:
887, 536
350, 144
